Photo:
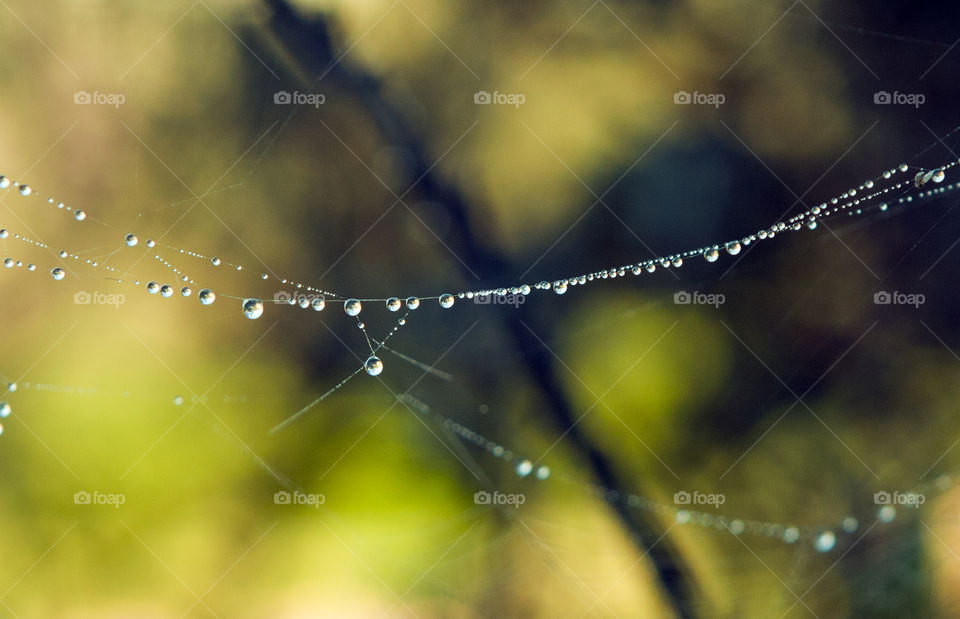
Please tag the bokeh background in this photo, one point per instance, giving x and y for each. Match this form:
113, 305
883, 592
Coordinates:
598, 167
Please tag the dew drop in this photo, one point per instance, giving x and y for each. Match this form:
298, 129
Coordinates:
153, 287
31, 267
166, 291
131, 240
524, 467
215, 262
791, 534
4, 182
560, 287
252, 308
373, 366
79, 215
304, 302
543, 472
887, 513
413, 303
352, 307
4, 409
446, 301
849, 524
11, 387
58, 273
151, 243
25, 190
3, 233
185, 291
733, 248
825, 541
938, 176
903, 167
318, 304
206, 296
711, 255
393, 304
8, 262
812, 224
177, 400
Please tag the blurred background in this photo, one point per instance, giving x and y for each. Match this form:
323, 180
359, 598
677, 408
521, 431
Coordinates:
386, 173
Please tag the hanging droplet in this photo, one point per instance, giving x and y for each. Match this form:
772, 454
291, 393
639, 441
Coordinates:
215, 262
4, 182
263, 276
177, 400
812, 224
446, 301
318, 304
153, 287
904, 167
711, 255
5, 409
352, 307
413, 303
252, 308
8, 262
11, 387
206, 296
31, 267
402, 321
58, 273
373, 366
938, 176
394, 304
560, 287
825, 541
151, 243
304, 302
185, 291
131, 240
79, 215
166, 291
25, 190
524, 467
3, 233
733, 248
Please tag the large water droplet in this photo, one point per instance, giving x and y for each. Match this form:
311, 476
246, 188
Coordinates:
131, 240
318, 304
151, 243
252, 308
25, 190
524, 467
79, 215
711, 255
4, 182
185, 291
206, 296
58, 273
373, 366
825, 541
560, 287
413, 303
446, 301
166, 291
215, 262
5, 409
153, 287
394, 304
8, 262
352, 307
733, 248
938, 176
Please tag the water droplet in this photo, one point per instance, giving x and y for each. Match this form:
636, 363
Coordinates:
402, 322
31, 267
153, 287
166, 291
560, 287
543, 472
733, 248
185, 291
849, 524
206, 296
318, 304
131, 240
3, 233
791, 534
215, 262
304, 302
883, 206
446, 301
938, 176
352, 307
812, 224
887, 513
903, 167
524, 467
79, 215
413, 303
393, 304
8, 262
177, 400
58, 273
11, 387
4, 182
25, 190
252, 308
711, 255
151, 243
825, 541
5, 409
373, 366
263, 276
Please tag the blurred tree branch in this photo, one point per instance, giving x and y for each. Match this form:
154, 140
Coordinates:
309, 45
